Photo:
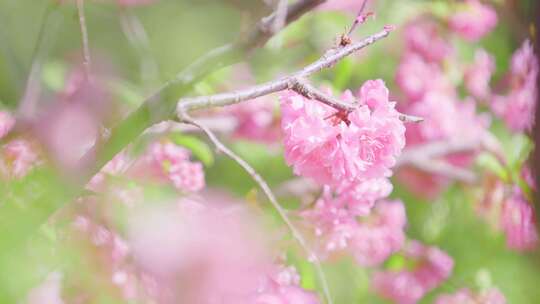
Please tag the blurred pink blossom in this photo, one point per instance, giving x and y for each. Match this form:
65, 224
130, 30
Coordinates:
417, 77
380, 234
17, 158
257, 120
430, 268
168, 161
336, 148
473, 20
370, 239
465, 296
518, 222
282, 286
7, 121
48, 292
478, 75
517, 108
422, 37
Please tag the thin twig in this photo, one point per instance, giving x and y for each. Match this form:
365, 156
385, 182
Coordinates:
46, 36
358, 17
84, 37
184, 117
281, 15
293, 82
154, 109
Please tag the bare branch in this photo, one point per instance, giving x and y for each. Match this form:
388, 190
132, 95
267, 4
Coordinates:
281, 15
184, 117
293, 82
154, 109
84, 35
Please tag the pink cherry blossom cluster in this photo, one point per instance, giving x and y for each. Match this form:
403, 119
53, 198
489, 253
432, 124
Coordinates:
473, 20
518, 106
466, 296
430, 92
429, 267
335, 148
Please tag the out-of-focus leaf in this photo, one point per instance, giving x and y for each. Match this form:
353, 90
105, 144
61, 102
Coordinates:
127, 92
488, 161
54, 75
199, 148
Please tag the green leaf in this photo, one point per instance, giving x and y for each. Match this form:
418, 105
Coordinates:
199, 148
127, 93
54, 75
489, 162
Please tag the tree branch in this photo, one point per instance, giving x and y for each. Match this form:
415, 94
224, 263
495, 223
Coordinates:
294, 82
184, 117
154, 109
84, 37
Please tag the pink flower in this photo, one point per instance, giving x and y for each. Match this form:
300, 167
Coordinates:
518, 107
370, 239
48, 292
256, 120
519, 223
282, 286
336, 148
18, 158
431, 267
380, 234
6, 123
417, 77
477, 75
465, 296
166, 160
422, 37
446, 118
119, 164
473, 20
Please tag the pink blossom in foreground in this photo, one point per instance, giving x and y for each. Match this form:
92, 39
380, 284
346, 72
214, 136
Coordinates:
7, 121
18, 158
431, 267
465, 296
422, 37
336, 148
478, 75
473, 20
166, 160
256, 120
48, 292
282, 286
518, 222
517, 108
